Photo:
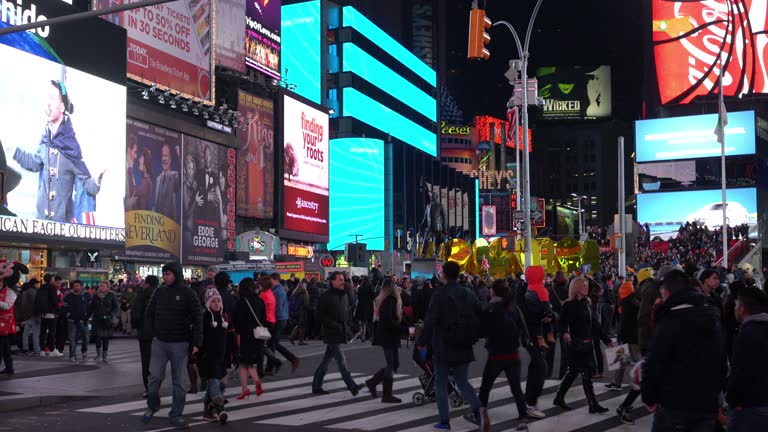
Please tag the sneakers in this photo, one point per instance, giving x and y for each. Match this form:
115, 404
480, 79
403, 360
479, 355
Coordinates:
147, 417
597, 409
73, 359
54, 353
441, 426
472, 418
179, 423
534, 412
613, 387
624, 415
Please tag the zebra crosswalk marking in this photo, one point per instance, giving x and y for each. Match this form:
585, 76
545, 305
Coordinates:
575, 419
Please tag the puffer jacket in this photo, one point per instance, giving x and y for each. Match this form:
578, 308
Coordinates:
174, 313
333, 314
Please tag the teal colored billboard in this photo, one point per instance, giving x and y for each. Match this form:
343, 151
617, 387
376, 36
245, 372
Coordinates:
300, 29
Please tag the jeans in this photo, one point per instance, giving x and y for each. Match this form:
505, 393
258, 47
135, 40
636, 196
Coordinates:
441, 388
145, 350
751, 419
102, 343
213, 389
274, 344
511, 369
48, 333
634, 353
77, 331
31, 327
392, 357
665, 420
333, 351
162, 353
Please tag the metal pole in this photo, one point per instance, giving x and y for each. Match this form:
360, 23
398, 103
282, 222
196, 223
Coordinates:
81, 15
517, 186
622, 211
725, 202
581, 222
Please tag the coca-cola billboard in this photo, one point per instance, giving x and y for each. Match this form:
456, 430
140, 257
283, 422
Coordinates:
691, 38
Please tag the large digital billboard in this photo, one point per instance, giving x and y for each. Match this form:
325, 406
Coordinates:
357, 192
169, 44
691, 37
256, 155
230, 38
575, 92
152, 193
693, 137
305, 170
300, 38
262, 36
665, 212
62, 150
702, 173
208, 201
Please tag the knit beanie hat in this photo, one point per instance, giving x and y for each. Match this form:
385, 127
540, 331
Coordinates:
210, 294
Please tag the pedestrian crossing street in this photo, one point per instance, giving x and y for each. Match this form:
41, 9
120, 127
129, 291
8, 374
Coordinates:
288, 404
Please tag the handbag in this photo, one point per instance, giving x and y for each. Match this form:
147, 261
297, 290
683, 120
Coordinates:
260, 332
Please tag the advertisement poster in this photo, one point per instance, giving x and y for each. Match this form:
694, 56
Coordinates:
255, 159
61, 178
690, 38
168, 44
575, 92
357, 192
665, 212
489, 220
230, 39
207, 201
262, 36
305, 174
152, 193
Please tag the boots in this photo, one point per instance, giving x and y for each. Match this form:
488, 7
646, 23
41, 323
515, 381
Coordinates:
292, 337
589, 392
373, 381
387, 397
104, 356
564, 386
301, 337
98, 353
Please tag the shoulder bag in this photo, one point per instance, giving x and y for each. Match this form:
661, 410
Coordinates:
260, 332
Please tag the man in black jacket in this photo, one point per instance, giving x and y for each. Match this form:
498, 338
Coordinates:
174, 317
453, 312
685, 370
47, 306
333, 314
75, 309
139, 306
747, 394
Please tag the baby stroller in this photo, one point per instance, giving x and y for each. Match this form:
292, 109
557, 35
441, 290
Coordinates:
427, 380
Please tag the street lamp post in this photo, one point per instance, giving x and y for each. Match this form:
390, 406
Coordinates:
522, 50
582, 228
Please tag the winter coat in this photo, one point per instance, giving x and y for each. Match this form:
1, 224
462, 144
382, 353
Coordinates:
748, 383
46, 300
281, 303
503, 328
685, 369
211, 357
437, 321
578, 321
334, 317
174, 314
103, 310
245, 322
630, 306
364, 311
139, 308
76, 307
28, 304
649, 293
270, 303
386, 331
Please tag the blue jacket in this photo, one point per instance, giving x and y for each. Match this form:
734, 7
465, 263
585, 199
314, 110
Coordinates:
281, 305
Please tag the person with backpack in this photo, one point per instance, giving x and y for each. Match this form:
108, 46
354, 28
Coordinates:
451, 328
504, 328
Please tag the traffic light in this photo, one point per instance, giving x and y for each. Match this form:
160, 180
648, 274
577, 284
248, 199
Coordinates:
478, 38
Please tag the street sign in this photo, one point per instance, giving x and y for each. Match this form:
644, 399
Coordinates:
537, 217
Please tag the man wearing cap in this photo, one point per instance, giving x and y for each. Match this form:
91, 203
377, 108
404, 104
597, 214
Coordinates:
747, 394
59, 159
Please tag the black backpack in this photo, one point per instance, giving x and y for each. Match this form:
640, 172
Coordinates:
463, 323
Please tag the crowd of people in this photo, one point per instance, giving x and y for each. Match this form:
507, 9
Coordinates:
698, 338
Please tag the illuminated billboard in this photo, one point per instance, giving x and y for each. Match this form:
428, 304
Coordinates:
168, 44
262, 36
305, 170
665, 212
691, 37
62, 150
357, 192
575, 92
693, 137
300, 39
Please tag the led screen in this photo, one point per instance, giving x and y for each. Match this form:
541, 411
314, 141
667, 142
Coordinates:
691, 37
363, 64
353, 18
357, 192
305, 172
369, 111
300, 32
262, 36
666, 211
64, 145
693, 137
